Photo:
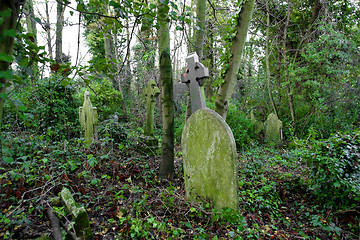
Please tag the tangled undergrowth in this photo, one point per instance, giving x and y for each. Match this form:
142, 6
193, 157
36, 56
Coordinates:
119, 187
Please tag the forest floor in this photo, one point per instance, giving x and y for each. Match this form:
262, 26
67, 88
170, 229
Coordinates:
125, 199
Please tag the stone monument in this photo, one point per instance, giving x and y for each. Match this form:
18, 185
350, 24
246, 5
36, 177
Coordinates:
79, 214
273, 130
208, 145
150, 144
194, 77
88, 118
151, 91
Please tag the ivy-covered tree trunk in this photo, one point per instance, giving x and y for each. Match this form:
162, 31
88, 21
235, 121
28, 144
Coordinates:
227, 87
167, 161
9, 12
59, 29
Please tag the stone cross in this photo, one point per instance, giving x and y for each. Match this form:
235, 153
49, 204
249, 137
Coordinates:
194, 76
88, 118
151, 92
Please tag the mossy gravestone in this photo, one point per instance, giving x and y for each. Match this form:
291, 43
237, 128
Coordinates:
151, 91
80, 216
88, 118
273, 130
209, 153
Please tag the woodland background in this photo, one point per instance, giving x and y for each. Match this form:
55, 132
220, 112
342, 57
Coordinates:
299, 59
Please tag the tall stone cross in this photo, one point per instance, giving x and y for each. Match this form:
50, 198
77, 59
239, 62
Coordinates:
194, 77
88, 118
151, 91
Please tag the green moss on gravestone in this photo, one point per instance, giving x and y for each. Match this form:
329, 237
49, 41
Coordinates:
80, 216
209, 155
273, 130
88, 118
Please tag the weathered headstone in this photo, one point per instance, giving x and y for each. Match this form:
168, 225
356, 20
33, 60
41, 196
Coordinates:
88, 118
150, 144
194, 76
273, 130
151, 91
79, 214
209, 155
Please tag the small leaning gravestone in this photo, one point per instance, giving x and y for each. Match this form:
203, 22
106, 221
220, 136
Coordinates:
208, 145
88, 118
273, 130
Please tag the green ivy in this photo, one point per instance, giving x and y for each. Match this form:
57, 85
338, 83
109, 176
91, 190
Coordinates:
241, 126
335, 169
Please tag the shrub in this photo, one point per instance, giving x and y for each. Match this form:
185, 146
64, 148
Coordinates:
335, 169
107, 99
112, 131
47, 106
241, 126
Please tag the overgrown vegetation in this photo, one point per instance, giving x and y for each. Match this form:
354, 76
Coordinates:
125, 198
308, 187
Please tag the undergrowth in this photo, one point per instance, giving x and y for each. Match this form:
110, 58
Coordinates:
125, 199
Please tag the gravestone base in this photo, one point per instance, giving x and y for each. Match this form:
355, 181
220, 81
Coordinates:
209, 155
149, 145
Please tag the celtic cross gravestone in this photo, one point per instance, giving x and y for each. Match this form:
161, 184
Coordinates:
151, 91
208, 145
88, 118
194, 76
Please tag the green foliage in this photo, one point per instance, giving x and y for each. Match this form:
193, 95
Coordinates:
326, 65
48, 107
179, 121
110, 131
107, 99
335, 169
241, 126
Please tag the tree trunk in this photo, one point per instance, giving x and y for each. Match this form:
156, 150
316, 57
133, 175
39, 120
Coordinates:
126, 86
227, 87
6, 43
48, 30
108, 40
199, 31
209, 53
167, 161
31, 28
59, 28
30, 19
267, 59
108, 45
286, 70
